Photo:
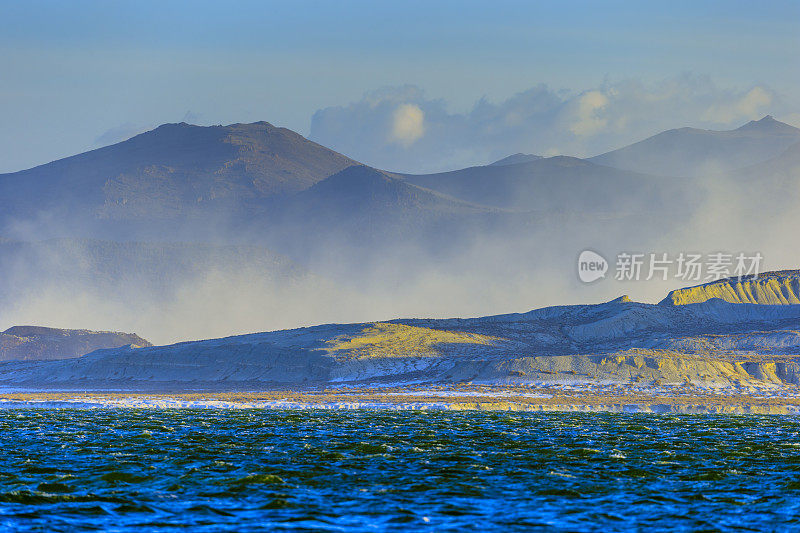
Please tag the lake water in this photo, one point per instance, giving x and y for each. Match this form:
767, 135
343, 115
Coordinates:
257, 470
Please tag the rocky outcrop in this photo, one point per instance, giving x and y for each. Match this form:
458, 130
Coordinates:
36, 343
771, 288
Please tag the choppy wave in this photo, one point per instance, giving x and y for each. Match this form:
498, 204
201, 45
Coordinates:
252, 469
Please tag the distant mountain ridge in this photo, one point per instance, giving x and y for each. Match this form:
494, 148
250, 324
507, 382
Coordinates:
691, 151
373, 208
268, 186
215, 176
713, 343
559, 183
515, 159
175, 170
36, 343
363, 186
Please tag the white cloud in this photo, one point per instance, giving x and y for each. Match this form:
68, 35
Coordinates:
408, 124
750, 106
588, 118
401, 129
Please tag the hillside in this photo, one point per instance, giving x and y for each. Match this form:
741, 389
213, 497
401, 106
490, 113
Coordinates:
361, 207
269, 188
773, 181
515, 159
173, 171
363, 188
184, 182
712, 343
769, 288
786, 164
555, 184
693, 152
34, 343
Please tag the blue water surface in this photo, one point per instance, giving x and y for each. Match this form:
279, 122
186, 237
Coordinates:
262, 470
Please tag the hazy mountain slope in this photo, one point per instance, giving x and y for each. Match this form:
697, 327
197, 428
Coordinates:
244, 182
693, 152
31, 343
150, 268
763, 199
183, 182
770, 288
176, 170
364, 207
554, 184
774, 180
364, 188
714, 342
515, 159
787, 163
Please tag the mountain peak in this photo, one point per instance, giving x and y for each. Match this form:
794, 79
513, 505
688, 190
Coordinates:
624, 299
175, 171
768, 124
691, 152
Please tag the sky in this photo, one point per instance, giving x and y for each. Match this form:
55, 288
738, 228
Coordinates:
411, 86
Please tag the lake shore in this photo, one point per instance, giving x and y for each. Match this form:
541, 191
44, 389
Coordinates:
678, 398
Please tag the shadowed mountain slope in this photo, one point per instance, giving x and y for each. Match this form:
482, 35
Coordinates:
363, 206
32, 343
693, 152
784, 168
361, 188
173, 171
207, 178
766, 193
555, 184
254, 183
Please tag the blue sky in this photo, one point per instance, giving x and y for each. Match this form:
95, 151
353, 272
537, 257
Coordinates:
74, 75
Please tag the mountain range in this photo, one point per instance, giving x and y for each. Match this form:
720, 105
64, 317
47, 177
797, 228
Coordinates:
32, 343
551, 184
132, 222
182, 182
712, 343
692, 152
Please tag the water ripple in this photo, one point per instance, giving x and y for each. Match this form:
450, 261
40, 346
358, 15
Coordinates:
216, 470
